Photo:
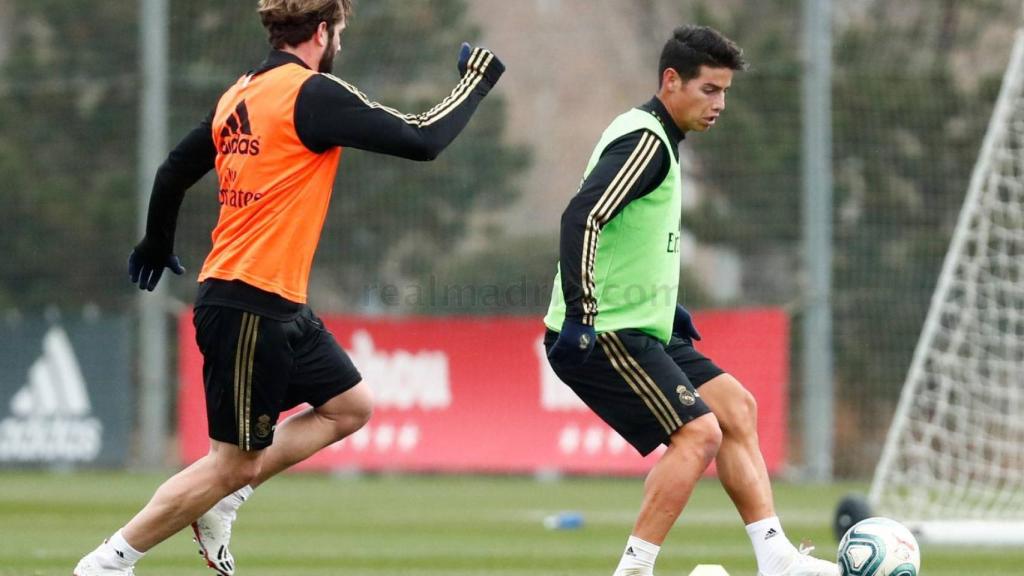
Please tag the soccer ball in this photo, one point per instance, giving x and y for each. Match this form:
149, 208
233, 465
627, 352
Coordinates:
879, 547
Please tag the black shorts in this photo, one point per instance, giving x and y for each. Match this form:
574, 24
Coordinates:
255, 367
639, 386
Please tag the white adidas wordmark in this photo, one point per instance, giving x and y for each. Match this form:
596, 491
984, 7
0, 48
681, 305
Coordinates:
51, 415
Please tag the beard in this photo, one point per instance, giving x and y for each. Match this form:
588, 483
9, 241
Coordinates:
326, 65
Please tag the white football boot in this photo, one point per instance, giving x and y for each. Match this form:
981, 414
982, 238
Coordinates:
806, 565
90, 566
213, 534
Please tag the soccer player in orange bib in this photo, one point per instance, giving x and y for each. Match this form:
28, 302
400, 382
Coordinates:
275, 139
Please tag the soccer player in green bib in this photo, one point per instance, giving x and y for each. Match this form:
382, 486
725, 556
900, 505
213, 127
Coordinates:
618, 338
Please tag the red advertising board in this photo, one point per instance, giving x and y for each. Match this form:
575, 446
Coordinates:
477, 395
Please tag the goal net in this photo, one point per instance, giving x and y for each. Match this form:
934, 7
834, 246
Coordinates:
953, 464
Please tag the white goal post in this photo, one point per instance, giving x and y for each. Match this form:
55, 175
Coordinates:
952, 468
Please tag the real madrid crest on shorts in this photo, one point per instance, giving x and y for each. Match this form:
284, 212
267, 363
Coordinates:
686, 397
263, 427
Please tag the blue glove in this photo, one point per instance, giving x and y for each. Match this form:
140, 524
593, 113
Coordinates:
480, 60
146, 269
574, 345
682, 325
464, 54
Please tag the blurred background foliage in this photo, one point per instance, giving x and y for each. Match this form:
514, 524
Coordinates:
913, 87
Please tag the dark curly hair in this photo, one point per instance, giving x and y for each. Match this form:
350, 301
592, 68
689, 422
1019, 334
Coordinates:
691, 47
292, 22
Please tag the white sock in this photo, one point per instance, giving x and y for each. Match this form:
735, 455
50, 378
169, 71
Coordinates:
230, 504
118, 553
639, 554
774, 552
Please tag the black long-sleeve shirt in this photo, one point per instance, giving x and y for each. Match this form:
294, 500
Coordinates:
640, 157
329, 113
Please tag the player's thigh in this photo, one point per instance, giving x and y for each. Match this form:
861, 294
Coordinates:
699, 369
229, 460
635, 387
733, 405
322, 370
246, 362
350, 409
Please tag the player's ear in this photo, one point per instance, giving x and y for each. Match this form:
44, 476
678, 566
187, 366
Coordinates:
670, 80
323, 34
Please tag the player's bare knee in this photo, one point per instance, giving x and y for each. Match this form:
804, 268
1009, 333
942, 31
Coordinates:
358, 407
348, 411
357, 417
734, 406
739, 418
710, 436
235, 469
364, 415
748, 406
242, 474
702, 437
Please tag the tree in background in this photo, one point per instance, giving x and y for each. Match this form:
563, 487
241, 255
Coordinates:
390, 220
68, 101
906, 132
69, 97
748, 169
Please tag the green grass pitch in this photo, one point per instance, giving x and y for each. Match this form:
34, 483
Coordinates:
420, 526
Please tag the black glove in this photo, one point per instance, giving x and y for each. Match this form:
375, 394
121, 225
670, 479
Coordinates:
574, 345
146, 265
682, 325
480, 60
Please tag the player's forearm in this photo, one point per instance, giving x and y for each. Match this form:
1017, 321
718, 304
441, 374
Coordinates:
162, 217
420, 138
428, 141
574, 268
330, 112
192, 158
438, 128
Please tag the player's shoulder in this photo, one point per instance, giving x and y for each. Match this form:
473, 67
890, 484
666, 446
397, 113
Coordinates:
642, 137
328, 77
328, 85
331, 80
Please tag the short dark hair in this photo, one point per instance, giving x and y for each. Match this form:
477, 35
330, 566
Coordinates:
691, 47
292, 22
